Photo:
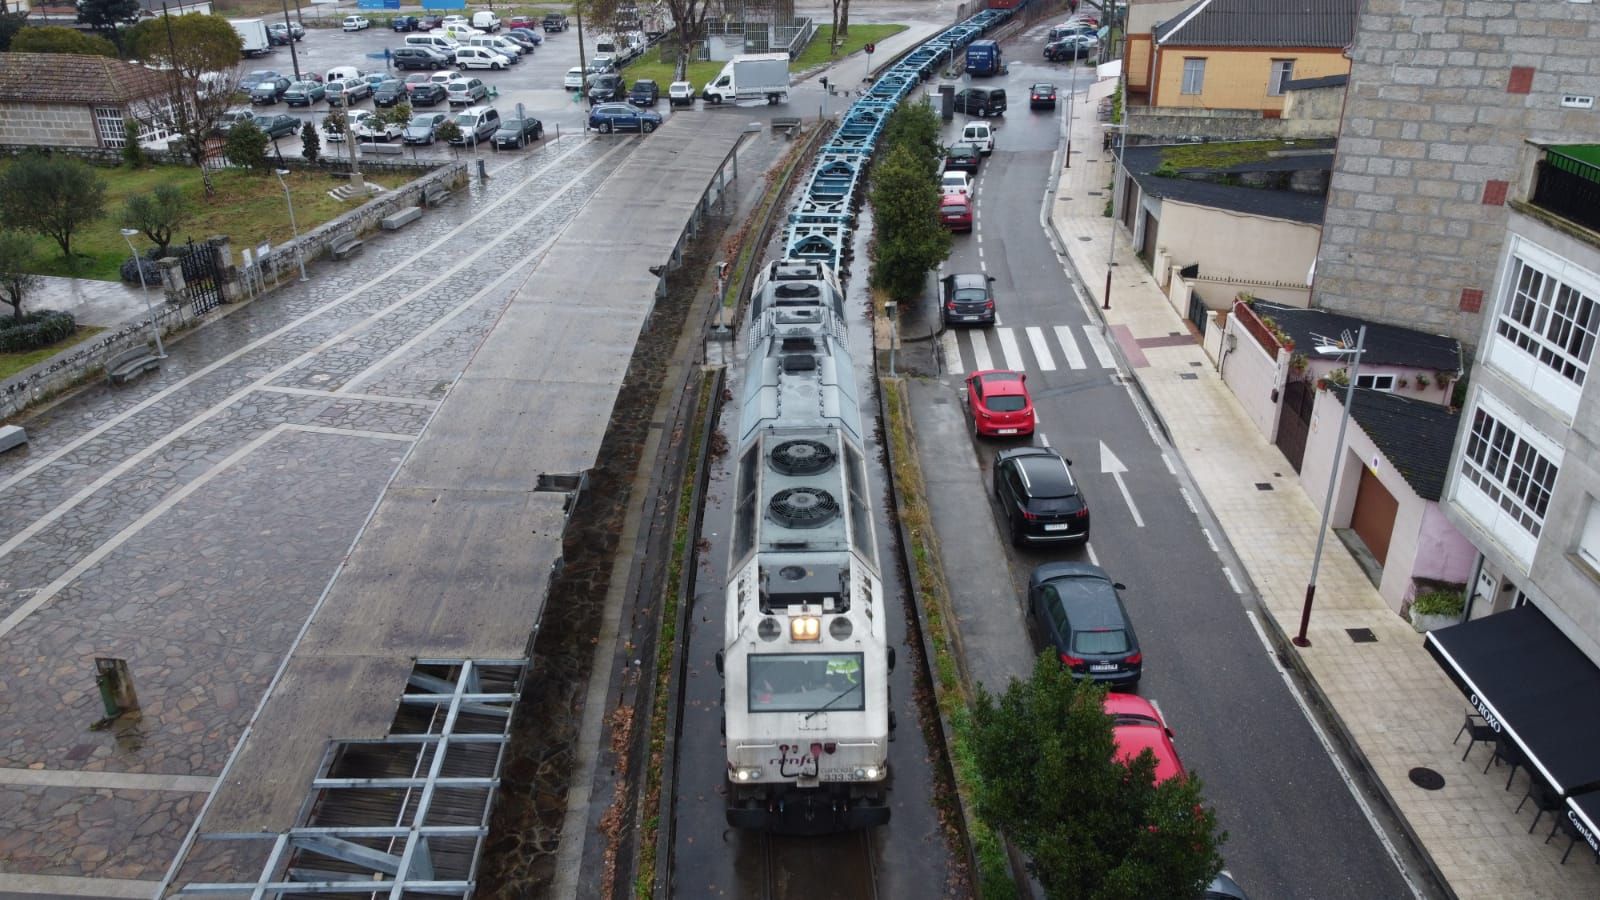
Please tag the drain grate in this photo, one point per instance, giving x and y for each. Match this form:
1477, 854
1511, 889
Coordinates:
1085, 238
1361, 635
1195, 364
1263, 485
1188, 376
1426, 778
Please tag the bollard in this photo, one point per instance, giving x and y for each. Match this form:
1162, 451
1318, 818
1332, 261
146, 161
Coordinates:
482, 173
116, 686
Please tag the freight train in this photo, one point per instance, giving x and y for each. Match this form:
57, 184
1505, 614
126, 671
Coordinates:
805, 661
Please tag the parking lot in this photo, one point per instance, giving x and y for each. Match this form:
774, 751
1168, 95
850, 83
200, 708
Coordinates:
534, 82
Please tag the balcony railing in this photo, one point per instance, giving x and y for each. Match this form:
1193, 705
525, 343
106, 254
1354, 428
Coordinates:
1569, 187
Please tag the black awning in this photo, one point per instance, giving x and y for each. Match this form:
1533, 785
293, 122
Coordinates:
1532, 685
1584, 813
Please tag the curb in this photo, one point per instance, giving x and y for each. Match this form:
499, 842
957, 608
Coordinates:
1361, 767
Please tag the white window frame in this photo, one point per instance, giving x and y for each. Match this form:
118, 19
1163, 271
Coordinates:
108, 121
1198, 71
1282, 73
1546, 324
1588, 547
1507, 475
1383, 383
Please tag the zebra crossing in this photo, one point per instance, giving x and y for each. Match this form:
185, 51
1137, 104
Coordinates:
1048, 348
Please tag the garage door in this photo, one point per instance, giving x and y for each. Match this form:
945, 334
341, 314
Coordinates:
1373, 520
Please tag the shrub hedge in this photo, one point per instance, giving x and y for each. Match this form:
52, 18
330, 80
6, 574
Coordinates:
35, 330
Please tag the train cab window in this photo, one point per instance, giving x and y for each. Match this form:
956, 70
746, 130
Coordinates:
860, 510
804, 682
744, 517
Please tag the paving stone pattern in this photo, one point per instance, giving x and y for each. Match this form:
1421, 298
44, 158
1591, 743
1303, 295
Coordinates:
189, 521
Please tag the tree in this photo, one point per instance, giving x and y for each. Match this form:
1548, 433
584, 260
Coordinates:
448, 131
246, 145
105, 15
201, 56
132, 153
1094, 827
51, 195
310, 142
10, 24
157, 214
688, 28
908, 239
16, 257
60, 39
916, 125
843, 29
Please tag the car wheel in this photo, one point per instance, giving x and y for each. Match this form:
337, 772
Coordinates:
604, 128
538, 133
496, 66
647, 127
1016, 536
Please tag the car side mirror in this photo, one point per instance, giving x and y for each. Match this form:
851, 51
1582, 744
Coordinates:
1067, 461
1116, 584
891, 659
991, 278
719, 662
1024, 377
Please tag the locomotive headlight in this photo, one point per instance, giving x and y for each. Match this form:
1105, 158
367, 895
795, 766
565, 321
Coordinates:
743, 773
805, 628
868, 773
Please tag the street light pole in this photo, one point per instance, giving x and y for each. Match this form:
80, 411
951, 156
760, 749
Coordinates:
1072, 90
298, 256
144, 288
289, 25
1300, 640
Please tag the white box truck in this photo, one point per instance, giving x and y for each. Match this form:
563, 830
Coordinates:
253, 33
751, 76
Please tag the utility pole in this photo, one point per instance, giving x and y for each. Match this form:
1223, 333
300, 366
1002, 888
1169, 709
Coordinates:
289, 24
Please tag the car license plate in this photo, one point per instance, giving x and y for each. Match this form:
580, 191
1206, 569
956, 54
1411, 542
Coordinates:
1103, 667
1005, 431
1059, 526
970, 318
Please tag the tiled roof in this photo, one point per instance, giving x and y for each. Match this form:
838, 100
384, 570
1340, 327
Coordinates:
1262, 23
75, 78
1415, 436
1307, 84
1295, 206
1386, 345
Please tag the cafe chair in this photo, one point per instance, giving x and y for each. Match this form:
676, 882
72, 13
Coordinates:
1566, 827
1506, 752
1546, 800
1479, 732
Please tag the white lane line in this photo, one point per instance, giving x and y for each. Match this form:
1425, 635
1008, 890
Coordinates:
290, 326
341, 395
19, 885
93, 558
952, 353
1069, 347
980, 350
1044, 439
1093, 557
1210, 541
206, 415
1333, 755
1232, 582
130, 781
980, 235
1188, 501
1013, 352
1167, 460
1041, 349
1097, 343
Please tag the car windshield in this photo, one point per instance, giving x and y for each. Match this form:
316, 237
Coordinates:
802, 682
1007, 403
511, 125
466, 120
971, 295
954, 209
1044, 89
422, 121
1107, 641
301, 86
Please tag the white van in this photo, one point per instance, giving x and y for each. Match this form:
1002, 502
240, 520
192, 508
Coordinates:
503, 46
480, 58
440, 42
341, 73
485, 21
459, 32
979, 135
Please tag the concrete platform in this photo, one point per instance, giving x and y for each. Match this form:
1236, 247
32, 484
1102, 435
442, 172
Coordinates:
456, 559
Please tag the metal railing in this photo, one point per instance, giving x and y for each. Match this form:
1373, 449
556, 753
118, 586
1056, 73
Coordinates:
1568, 187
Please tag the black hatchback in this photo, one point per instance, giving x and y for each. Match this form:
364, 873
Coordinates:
1074, 608
1039, 497
981, 102
962, 158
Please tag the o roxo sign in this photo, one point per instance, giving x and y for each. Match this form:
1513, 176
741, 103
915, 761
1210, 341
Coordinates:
1489, 718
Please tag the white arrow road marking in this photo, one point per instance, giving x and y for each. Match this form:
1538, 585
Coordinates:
1110, 465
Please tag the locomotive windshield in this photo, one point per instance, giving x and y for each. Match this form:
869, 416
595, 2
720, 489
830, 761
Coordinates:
804, 682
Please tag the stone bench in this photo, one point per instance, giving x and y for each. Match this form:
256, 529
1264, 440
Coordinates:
787, 124
390, 149
435, 194
130, 363
12, 436
345, 246
402, 218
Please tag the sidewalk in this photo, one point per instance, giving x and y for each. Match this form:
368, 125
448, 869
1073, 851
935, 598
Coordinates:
1397, 709
106, 304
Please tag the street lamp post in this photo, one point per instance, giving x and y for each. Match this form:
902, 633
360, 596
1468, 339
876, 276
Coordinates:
1072, 89
288, 23
144, 288
298, 256
1331, 349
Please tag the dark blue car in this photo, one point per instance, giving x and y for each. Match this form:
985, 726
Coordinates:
608, 117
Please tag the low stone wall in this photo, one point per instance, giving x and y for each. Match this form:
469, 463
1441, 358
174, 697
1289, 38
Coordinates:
1171, 125
335, 165
281, 263
58, 373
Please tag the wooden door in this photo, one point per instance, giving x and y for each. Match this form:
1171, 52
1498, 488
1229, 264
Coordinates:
1373, 519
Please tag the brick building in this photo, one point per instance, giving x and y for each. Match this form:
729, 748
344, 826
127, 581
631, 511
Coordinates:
74, 100
1446, 99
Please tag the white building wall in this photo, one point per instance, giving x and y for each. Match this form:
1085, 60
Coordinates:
1254, 376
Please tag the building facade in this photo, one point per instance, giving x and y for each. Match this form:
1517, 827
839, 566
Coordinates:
1441, 98
75, 100
1524, 480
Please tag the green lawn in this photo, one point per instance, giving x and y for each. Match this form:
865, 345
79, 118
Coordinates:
12, 363
816, 53
650, 66
249, 208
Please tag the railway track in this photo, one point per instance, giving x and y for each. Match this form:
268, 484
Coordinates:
830, 867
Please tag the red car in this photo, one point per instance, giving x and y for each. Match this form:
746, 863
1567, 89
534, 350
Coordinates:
1136, 725
955, 212
999, 402
522, 22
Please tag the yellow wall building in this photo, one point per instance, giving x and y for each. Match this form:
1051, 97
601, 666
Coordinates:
1236, 77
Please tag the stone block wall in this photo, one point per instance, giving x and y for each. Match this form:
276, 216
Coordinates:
47, 125
1443, 94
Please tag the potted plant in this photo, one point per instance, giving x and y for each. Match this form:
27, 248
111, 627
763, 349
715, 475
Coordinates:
1436, 609
1422, 380
1403, 382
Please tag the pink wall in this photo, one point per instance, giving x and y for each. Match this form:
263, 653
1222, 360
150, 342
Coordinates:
1443, 554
